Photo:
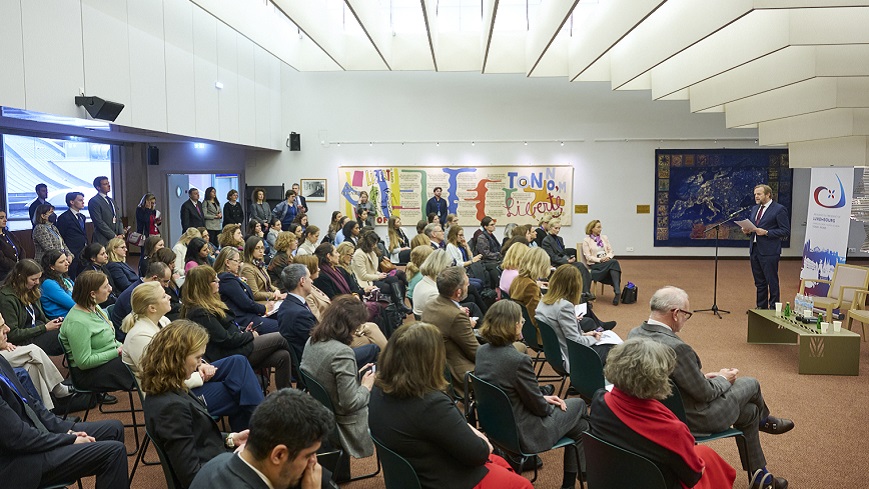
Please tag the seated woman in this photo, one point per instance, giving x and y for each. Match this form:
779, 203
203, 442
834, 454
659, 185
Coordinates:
365, 266
197, 254
410, 413
427, 288
167, 257
45, 234
418, 255
285, 246
153, 244
350, 232
254, 271
177, 420
525, 288
231, 236
420, 240
56, 285
88, 336
22, 310
122, 274
272, 236
558, 309
94, 257
540, 420
458, 249
333, 280
180, 250
228, 386
486, 243
311, 238
330, 360
46, 379
256, 229
238, 296
598, 255
399, 244
510, 266
302, 220
632, 417
559, 255
201, 303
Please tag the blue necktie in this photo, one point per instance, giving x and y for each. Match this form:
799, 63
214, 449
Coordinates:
81, 221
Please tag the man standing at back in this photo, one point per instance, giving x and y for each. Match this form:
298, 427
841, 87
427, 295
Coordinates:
773, 225
41, 198
713, 401
437, 205
301, 202
104, 213
191, 211
71, 225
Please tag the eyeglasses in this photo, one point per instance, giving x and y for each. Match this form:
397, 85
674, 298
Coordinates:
234, 259
686, 313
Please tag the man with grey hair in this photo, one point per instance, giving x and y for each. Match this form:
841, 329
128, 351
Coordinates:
295, 319
713, 401
436, 234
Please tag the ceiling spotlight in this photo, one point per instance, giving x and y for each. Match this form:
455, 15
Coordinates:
218, 85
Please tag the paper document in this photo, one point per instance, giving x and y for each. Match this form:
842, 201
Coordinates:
581, 309
609, 338
747, 225
274, 309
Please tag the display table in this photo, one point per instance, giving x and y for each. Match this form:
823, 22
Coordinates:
827, 354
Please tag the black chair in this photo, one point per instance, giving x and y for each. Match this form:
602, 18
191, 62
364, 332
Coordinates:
319, 393
529, 337
499, 424
140, 458
675, 404
552, 350
586, 370
61, 485
612, 467
397, 471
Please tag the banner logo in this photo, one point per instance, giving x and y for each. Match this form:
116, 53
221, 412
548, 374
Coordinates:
823, 194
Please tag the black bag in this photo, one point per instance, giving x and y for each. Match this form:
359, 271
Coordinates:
629, 294
390, 319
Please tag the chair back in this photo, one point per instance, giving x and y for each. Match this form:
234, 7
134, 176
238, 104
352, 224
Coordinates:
675, 404
317, 390
397, 471
610, 466
551, 348
529, 331
496, 415
850, 276
586, 369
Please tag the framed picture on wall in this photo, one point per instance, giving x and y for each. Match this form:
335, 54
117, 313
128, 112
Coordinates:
313, 189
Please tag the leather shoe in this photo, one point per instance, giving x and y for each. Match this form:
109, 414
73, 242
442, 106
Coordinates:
547, 389
529, 464
616, 300
777, 426
607, 325
767, 481
108, 399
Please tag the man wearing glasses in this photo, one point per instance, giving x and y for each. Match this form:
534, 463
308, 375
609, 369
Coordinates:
713, 401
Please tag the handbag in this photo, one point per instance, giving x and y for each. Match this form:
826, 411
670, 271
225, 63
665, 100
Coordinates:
629, 293
137, 239
386, 266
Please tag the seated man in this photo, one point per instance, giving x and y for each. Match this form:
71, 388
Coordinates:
38, 448
286, 431
717, 400
457, 329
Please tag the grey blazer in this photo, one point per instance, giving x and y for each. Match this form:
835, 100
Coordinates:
704, 399
540, 424
333, 365
562, 317
102, 214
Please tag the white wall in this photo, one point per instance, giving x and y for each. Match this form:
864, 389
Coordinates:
610, 177
160, 58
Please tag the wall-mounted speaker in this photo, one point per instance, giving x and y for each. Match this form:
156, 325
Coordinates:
153, 155
294, 142
99, 108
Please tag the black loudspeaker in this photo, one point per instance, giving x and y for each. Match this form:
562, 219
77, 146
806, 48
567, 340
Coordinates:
99, 108
153, 155
295, 142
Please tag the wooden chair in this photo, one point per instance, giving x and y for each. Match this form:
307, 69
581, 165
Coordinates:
858, 311
847, 279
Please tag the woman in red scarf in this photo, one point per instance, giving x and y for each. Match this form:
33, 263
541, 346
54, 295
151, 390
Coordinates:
632, 417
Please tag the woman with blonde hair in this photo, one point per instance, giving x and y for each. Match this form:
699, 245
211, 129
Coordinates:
559, 255
599, 256
180, 250
201, 303
457, 247
410, 414
525, 288
285, 245
510, 266
122, 274
253, 270
177, 421
427, 288
397, 243
420, 240
418, 256
239, 297
229, 385
231, 236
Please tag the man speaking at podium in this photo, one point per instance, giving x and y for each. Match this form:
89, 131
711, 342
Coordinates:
772, 226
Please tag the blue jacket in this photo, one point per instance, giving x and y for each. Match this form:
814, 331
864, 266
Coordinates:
56, 302
776, 222
295, 321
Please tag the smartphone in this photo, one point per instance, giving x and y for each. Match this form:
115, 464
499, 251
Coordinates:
374, 369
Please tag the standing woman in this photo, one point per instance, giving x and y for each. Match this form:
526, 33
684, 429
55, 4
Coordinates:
365, 205
19, 301
56, 285
197, 254
94, 257
10, 250
147, 216
255, 274
238, 296
231, 236
540, 420
46, 236
285, 245
399, 244
598, 256
232, 211
201, 303
88, 336
122, 274
260, 211
311, 237
410, 413
365, 266
152, 245
213, 215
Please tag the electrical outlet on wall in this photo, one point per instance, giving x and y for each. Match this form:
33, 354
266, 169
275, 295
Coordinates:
629, 249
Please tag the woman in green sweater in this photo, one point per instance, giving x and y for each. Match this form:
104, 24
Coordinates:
88, 337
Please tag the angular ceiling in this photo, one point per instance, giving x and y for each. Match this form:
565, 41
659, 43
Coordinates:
797, 70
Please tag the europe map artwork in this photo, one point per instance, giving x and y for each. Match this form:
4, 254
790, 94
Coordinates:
696, 189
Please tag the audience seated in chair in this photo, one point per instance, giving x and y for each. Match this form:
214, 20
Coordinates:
56, 288
20, 304
239, 297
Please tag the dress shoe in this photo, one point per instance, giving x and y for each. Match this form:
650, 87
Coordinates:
529, 464
547, 390
777, 426
616, 300
607, 325
107, 399
766, 480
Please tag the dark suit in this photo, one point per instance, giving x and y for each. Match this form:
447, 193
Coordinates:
229, 471
191, 215
238, 297
439, 207
765, 251
295, 321
106, 218
34, 456
74, 235
180, 424
714, 404
32, 210
303, 201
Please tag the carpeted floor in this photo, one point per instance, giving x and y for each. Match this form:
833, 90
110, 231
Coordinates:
822, 451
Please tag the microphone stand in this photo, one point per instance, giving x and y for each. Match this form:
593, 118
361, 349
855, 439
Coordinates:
715, 309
